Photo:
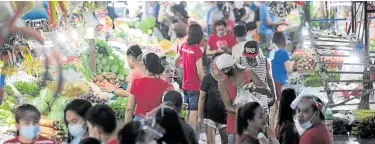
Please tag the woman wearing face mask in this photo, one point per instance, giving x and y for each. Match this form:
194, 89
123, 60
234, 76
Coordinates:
286, 132
28, 128
251, 123
146, 93
311, 118
74, 114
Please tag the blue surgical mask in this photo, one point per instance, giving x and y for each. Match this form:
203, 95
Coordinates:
30, 132
307, 124
76, 130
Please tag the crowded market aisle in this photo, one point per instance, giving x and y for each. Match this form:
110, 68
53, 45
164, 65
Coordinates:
186, 72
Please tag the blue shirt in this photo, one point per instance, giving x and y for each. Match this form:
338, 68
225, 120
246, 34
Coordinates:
208, 28
263, 15
279, 73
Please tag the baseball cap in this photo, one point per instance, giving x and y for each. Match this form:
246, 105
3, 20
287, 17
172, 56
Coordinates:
251, 49
227, 60
239, 29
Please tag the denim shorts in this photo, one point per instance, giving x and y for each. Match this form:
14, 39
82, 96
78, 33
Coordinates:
191, 98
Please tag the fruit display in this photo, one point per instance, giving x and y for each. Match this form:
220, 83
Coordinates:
338, 60
9, 70
106, 62
165, 44
305, 62
107, 79
50, 128
94, 97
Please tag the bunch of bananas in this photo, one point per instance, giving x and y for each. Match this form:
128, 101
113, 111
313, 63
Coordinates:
32, 66
10, 71
165, 44
71, 89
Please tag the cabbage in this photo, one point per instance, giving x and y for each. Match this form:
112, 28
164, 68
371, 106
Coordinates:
46, 95
106, 68
121, 63
59, 104
121, 77
97, 60
41, 105
117, 60
100, 55
111, 60
121, 71
56, 115
104, 61
114, 68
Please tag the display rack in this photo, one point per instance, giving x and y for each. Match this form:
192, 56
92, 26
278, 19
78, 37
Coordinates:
357, 43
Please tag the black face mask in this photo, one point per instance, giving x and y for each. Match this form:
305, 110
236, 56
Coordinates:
230, 72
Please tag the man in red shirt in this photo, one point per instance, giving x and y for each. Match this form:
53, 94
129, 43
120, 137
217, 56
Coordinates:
311, 118
27, 124
222, 41
193, 74
102, 124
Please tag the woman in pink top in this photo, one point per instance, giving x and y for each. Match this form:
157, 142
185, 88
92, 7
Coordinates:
132, 54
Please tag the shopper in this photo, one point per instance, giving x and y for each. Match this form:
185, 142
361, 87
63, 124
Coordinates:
252, 60
146, 93
176, 99
213, 7
286, 132
251, 124
89, 140
266, 27
222, 41
28, 128
74, 116
191, 56
281, 62
241, 35
218, 14
168, 119
132, 54
311, 118
133, 133
102, 124
180, 31
235, 76
211, 110
227, 11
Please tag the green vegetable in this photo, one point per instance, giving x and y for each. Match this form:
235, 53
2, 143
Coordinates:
106, 68
56, 115
111, 60
121, 77
59, 104
121, 71
86, 70
46, 95
41, 105
119, 106
114, 68
104, 61
27, 88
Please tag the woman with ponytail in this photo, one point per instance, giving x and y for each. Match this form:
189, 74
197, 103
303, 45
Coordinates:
251, 125
146, 93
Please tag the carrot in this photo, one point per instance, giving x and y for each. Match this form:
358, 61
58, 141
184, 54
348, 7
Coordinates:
46, 122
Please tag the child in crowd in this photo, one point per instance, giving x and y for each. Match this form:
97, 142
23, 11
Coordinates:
28, 128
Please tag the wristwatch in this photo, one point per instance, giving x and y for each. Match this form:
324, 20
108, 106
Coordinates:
113, 91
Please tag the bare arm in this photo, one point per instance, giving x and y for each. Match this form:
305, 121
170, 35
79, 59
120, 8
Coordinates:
202, 98
288, 66
270, 81
261, 86
224, 93
130, 109
176, 59
199, 64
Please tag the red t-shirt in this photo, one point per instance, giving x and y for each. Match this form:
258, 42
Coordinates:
231, 120
230, 26
318, 134
227, 41
39, 140
148, 93
114, 141
190, 55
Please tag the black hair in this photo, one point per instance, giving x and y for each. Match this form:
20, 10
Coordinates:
246, 112
216, 55
240, 29
21, 110
131, 133
90, 140
168, 118
134, 51
221, 23
175, 98
103, 117
279, 39
153, 64
180, 30
195, 34
286, 113
239, 13
78, 106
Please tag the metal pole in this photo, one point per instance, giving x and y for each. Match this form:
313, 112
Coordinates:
354, 14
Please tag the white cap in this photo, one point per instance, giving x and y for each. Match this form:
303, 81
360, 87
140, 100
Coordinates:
226, 60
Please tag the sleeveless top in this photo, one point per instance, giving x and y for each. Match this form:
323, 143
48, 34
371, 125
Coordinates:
231, 119
260, 69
